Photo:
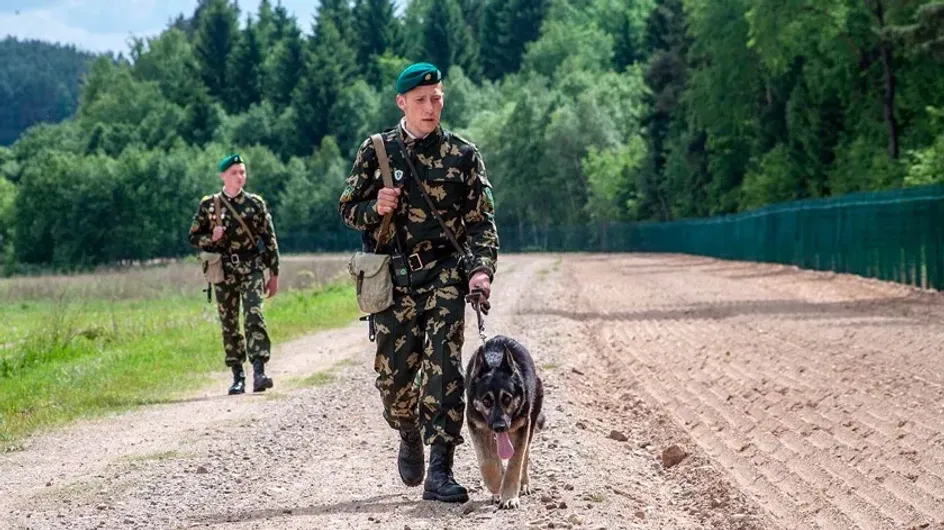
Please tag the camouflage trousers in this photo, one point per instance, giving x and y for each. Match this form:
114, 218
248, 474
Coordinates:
420, 338
246, 287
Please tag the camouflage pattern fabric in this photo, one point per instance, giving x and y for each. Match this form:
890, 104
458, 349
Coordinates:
453, 173
248, 289
255, 214
245, 277
423, 331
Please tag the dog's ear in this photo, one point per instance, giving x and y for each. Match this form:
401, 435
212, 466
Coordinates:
478, 362
508, 361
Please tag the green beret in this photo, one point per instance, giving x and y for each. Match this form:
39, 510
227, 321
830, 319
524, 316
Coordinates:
417, 74
229, 160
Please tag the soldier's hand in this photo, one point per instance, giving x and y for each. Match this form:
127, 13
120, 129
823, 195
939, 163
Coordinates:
387, 200
272, 286
217, 233
479, 281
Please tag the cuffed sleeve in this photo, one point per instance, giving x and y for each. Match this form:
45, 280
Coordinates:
479, 219
271, 242
356, 205
201, 229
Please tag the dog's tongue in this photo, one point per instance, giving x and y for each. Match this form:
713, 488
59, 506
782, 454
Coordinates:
505, 449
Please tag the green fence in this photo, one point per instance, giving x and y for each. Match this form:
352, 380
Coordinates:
894, 235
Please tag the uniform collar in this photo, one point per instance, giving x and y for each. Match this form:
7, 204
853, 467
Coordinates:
228, 196
412, 142
409, 135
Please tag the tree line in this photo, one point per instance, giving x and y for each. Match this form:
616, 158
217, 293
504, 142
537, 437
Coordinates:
587, 112
39, 82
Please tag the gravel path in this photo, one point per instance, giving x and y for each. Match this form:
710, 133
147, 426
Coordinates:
795, 400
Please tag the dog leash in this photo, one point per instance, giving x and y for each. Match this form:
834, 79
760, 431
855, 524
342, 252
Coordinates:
480, 304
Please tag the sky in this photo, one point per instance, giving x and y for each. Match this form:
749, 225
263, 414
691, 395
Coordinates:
106, 25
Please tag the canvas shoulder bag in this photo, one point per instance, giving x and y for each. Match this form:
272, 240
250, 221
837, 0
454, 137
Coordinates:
212, 262
371, 270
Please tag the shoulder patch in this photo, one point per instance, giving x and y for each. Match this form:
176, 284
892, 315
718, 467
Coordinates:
256, 197
460, 139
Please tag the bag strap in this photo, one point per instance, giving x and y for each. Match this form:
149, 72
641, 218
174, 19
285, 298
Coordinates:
219, 213
432, 207
238, 217
388, 183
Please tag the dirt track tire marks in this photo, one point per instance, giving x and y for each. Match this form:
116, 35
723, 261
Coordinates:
805, 401
827, 419
303, 457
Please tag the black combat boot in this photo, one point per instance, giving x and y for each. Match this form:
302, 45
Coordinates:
440, 485
410, 461
239, 380
260, 381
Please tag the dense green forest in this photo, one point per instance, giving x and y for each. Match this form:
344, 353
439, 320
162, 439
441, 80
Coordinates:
588, 112
39, 82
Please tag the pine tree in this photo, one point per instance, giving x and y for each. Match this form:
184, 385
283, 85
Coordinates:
625, 50
665, 76
507, 28
282, 22
266, 26
284, 66
190, 25
473, 11
377, 32
201, 121
339, 14
528, 16
495, 34
216, 39
245, 87
330, 66
448, 40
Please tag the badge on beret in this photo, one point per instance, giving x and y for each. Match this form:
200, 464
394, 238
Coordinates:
417, 74
228, 161
398, 175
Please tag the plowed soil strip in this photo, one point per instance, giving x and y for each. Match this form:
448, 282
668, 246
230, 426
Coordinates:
821, 394
801, 400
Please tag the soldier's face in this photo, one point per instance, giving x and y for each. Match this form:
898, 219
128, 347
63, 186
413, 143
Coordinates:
234, 177
422, 107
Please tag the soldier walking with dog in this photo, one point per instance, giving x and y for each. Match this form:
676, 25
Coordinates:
237, 225
443, 245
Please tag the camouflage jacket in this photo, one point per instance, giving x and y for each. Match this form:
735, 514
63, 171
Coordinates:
453, 173
235, 239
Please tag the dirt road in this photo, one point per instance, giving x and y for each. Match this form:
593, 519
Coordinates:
803, 400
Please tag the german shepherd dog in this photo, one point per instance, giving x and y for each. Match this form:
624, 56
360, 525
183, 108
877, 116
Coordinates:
504, 394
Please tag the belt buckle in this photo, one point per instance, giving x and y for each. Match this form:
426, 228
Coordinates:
419, 262
234, 259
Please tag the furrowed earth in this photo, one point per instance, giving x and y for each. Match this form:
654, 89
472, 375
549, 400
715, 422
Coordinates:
681, 392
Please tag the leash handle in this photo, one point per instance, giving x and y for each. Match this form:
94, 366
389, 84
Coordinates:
477, 299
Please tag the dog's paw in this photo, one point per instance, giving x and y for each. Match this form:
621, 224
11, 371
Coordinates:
510, 504
526, 489
496, 498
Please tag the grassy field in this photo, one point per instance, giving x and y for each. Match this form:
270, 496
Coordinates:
83, 345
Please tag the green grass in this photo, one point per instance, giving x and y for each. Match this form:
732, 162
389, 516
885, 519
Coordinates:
71, 359
324, 377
